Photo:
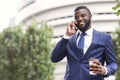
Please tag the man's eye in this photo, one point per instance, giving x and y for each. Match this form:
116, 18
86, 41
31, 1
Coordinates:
76, 17
82, 15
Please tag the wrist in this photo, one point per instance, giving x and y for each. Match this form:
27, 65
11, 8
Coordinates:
103, 70
67, 34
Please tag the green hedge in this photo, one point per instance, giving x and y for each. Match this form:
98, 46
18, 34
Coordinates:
25, 54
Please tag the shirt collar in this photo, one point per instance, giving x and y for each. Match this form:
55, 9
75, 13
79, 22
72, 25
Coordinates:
88, 32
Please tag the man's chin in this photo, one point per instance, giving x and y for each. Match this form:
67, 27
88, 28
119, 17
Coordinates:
81, 27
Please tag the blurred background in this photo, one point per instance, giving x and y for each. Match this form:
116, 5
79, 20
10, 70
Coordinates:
58, 13
8, 10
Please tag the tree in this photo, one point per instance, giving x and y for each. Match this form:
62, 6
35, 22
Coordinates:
116, 39
26, 56
117, 8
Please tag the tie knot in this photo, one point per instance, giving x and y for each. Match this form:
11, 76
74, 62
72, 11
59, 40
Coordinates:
83, 34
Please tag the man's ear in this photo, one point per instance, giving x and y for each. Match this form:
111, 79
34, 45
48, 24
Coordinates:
90, 16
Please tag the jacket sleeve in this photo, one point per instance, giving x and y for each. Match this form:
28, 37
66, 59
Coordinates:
111, 62
59, 52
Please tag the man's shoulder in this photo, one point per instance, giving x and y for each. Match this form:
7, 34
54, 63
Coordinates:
100, 33
102, 36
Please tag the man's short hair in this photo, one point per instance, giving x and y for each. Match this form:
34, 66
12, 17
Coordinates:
82, 7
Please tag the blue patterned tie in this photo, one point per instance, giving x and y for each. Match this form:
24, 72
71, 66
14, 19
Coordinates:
81, 41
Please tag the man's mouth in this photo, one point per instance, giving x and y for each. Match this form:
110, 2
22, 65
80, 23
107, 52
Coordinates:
82, 23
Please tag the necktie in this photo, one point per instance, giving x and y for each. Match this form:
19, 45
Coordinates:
81, 41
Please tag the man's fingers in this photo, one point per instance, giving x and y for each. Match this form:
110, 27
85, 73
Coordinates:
71, 29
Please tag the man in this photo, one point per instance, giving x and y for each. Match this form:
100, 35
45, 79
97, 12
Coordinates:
95, 46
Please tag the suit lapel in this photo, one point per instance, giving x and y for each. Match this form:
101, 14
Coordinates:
73, 46
93, 43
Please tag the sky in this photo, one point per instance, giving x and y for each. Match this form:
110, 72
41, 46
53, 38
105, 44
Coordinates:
8, 9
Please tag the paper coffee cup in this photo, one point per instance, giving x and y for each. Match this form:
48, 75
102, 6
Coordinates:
91, 63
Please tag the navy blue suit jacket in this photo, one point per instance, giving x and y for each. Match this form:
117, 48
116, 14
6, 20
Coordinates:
78, 65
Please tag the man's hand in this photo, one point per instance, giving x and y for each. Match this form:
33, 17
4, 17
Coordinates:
71, 29
97, 67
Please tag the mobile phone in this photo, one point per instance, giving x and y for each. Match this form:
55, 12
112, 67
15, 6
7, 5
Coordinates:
77, 26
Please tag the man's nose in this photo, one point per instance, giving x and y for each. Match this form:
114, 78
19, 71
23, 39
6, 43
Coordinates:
80, 18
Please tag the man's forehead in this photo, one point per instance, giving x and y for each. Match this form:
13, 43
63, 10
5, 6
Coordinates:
81, 11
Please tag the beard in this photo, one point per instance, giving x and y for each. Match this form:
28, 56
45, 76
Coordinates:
86, 27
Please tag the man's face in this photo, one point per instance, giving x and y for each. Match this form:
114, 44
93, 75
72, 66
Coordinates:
83, 19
